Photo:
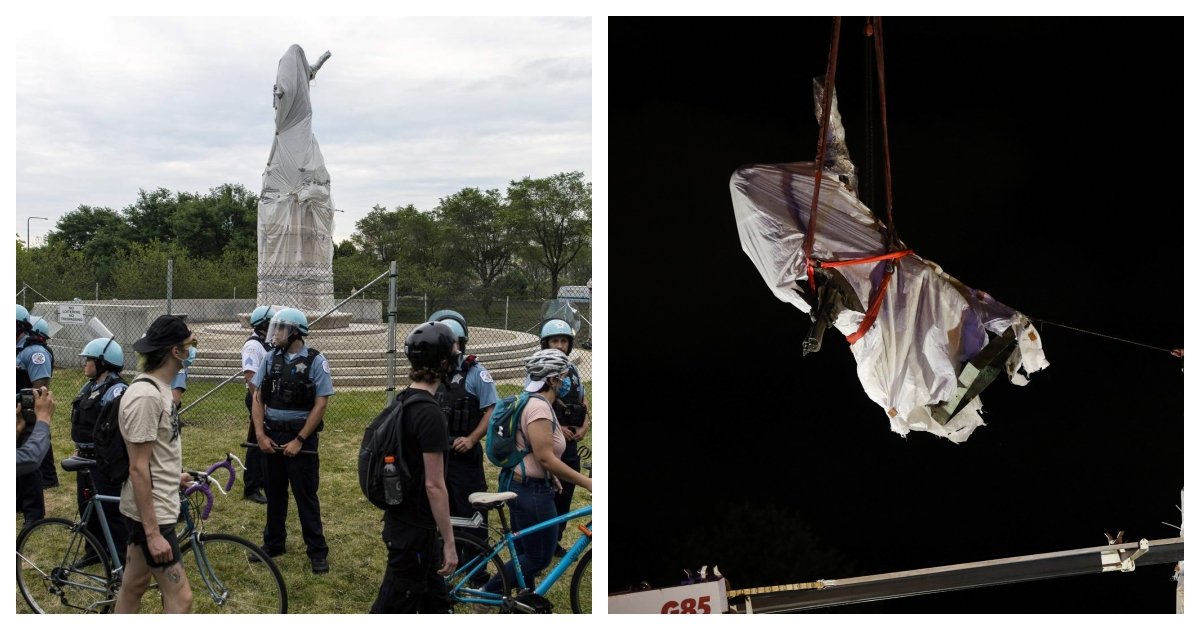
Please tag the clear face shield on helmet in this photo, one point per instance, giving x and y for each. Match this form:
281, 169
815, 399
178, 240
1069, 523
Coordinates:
278, 327
99, 330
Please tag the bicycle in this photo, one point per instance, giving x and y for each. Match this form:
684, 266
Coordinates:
466, 583
62, 567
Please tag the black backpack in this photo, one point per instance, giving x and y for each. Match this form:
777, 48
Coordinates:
112, 458
383, 438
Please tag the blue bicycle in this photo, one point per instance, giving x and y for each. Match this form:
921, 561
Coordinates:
63, 568
479, 558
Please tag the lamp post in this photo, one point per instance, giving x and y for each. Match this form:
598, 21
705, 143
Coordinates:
27, 228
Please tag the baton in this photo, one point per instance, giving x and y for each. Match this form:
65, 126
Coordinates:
277, 448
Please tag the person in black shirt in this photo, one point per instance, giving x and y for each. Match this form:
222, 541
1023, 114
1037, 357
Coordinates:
417, 563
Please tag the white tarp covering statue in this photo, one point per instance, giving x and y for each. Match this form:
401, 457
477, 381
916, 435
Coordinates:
295, 209
920, 352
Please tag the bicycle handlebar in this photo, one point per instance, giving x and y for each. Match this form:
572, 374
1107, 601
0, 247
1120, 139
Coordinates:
203, 483
227, 464
201, 487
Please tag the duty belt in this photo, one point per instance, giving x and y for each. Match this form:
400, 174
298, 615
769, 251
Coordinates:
289, 426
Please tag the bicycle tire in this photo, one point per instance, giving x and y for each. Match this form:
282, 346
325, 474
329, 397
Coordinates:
581, 586
63, 570
467, 545
241, 578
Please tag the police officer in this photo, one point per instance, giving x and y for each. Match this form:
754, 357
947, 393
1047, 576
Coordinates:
253, 351
571, 409
293, 386
103, 361
40, 334
34, 369
468, 397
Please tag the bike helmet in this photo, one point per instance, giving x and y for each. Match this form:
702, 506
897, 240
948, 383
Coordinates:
107, 351
429, 344
545, 363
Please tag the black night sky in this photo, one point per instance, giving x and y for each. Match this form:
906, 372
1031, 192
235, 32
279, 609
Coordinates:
1039, 160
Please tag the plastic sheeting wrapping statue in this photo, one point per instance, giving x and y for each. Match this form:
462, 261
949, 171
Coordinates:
295, 210
928, 353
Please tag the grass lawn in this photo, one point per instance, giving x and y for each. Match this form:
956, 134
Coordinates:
357, 555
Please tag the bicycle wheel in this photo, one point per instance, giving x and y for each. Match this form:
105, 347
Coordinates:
233, 575
581, 586
471, 553
61, 570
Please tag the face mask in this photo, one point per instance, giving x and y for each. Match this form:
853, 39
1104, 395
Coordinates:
190, 357
565, 388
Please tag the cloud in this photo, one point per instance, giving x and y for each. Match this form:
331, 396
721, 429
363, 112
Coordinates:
406, 110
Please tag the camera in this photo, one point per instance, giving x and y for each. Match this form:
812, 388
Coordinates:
25, 399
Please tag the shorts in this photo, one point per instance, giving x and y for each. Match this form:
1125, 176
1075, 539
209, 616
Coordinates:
137, 536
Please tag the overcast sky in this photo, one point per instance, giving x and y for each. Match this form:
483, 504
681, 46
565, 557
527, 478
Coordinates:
407, 110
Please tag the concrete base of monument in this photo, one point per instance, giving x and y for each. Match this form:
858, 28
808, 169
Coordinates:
242, 329
334, 320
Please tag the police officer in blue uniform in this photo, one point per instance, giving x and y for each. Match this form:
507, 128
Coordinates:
34, 369
293, 387
571, 410
253, 350
103, 361
467, 396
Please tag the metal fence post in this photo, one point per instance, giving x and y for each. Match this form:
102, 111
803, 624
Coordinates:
97, 291
170, 275
506, 312
391, 378
425, 296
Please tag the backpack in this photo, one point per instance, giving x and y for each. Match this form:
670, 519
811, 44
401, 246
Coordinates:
502, 432
382, 438
112, 457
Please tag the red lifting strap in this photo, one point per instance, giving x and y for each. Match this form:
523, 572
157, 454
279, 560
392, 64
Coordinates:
826, 103
861, 261
877, 300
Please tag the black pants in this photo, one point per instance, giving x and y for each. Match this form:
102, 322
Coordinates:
30, 501
562, 500
256, 460
411, 583
302, 473
464, 475
97, 483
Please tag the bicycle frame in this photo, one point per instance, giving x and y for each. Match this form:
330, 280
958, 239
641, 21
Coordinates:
469, 595
191, 531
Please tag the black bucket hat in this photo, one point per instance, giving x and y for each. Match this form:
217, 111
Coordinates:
166, 331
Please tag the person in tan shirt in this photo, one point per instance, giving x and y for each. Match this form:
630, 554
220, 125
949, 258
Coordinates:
149, 423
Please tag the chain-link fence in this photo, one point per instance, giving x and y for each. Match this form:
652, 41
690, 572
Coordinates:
355, 336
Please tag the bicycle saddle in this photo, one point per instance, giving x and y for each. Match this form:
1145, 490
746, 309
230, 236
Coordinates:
76, 464
489, 500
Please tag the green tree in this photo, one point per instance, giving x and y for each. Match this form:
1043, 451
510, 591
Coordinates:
149, 218
101, 234
479, 233
223, 220
556, 216
75, 229
141, 273
405, 235
345, 249
56, 272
